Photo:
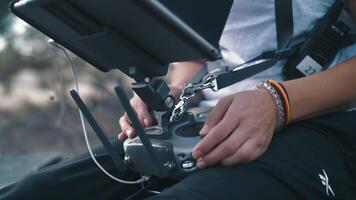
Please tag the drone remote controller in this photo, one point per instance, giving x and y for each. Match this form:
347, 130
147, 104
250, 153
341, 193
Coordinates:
163, 151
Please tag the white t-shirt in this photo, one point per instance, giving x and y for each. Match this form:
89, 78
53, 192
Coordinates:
251, 29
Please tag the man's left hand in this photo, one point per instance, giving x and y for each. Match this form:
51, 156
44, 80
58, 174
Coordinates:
238, 130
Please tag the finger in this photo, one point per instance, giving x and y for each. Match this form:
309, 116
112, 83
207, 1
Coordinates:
122, 136
144, 115
244, 154
216, 114
217, 134
224, 150
141, 110
126, 126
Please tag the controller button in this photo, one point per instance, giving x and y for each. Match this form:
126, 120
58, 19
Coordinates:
188, 164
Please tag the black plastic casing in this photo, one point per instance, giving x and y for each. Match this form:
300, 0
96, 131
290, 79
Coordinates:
173, 147
138, 37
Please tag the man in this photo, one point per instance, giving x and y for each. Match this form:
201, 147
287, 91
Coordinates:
241, 155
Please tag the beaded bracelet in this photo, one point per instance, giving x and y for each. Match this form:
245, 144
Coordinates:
283, 92
278, 99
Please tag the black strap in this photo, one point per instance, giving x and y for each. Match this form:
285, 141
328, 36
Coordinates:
284, 22
284, 29
226, 79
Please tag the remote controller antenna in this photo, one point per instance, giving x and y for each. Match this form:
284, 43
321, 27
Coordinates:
99, 131
83, 110
139, 129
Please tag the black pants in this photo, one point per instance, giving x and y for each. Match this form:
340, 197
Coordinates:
314, 159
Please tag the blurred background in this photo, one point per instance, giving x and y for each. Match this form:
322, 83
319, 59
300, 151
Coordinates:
38, 120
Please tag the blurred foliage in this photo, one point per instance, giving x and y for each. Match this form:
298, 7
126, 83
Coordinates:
21, 47
30, 70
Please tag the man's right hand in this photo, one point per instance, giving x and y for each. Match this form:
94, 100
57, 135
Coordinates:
180, 74
143, 115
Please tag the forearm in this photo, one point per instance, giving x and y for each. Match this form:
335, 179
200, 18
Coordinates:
181, 73
323, 92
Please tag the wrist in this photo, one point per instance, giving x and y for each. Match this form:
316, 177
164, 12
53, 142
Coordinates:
176, 90
271, 105
281, 101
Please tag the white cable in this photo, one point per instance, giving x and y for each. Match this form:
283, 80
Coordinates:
144, 178
153, 191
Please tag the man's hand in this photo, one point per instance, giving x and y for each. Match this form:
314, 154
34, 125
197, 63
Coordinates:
238, 130
180, 74
143, 115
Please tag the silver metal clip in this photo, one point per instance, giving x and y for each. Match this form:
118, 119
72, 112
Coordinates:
190, 91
